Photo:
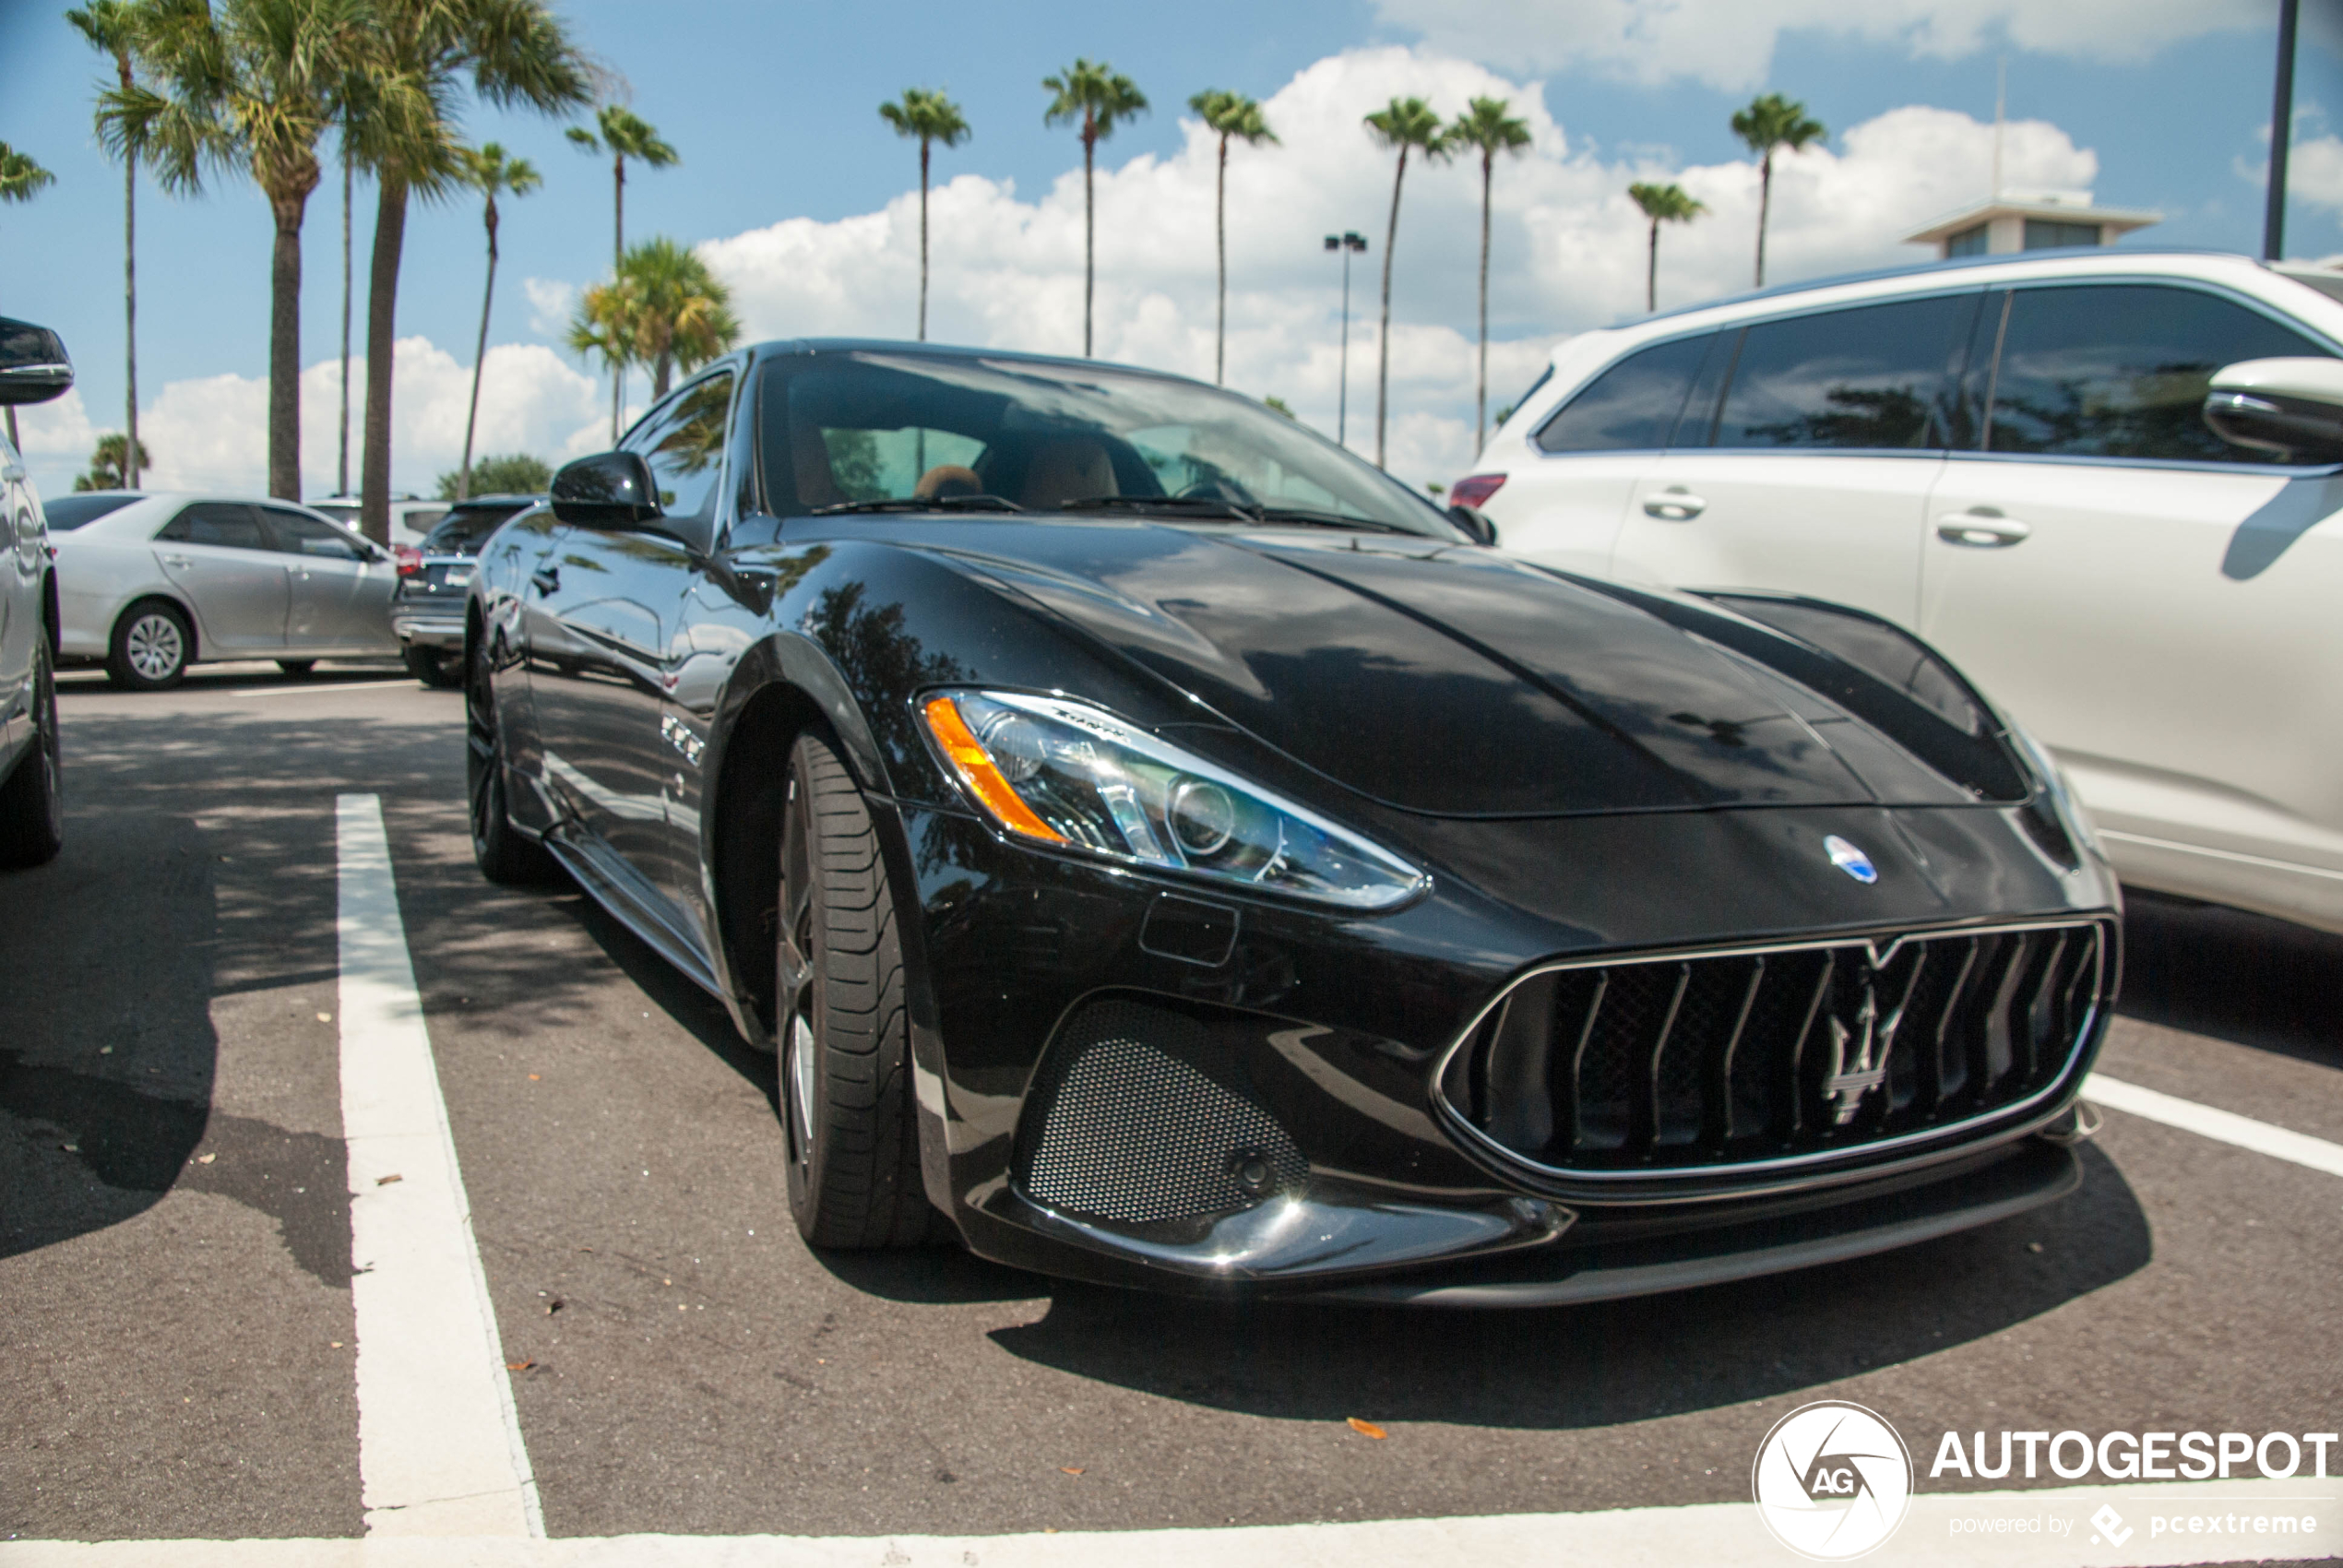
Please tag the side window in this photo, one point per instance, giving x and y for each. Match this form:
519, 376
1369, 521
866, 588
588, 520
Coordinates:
684, 441
227, 523
2121, 371
1632, 406
298, 535
1873, 377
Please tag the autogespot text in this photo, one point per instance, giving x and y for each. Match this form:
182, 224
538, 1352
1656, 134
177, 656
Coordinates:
2143, 1456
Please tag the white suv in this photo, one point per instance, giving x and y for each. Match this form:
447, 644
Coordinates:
2008, 455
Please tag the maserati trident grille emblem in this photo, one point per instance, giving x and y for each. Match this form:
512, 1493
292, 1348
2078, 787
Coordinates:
1858, 1056
1850, 860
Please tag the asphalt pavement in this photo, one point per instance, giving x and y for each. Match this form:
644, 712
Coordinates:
175, 1262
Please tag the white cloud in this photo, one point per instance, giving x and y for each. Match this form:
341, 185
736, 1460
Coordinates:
2314, 172
551, 305
212, 432
1729, 44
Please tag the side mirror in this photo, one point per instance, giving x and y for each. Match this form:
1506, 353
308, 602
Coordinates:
611, 490
1477, 524
33, 366
2292, 407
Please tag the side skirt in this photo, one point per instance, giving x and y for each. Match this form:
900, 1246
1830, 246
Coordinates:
617, 887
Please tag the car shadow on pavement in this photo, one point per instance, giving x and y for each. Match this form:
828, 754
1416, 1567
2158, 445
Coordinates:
1571, 1367
2246, 979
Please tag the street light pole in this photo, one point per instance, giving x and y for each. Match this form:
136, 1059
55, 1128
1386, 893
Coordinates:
2281, 133
1349, 243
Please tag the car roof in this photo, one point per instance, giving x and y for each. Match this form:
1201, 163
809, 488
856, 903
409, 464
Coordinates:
143, 502
779, 346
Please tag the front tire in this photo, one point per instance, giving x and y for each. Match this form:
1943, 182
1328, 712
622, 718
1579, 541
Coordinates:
151, 647
32, 802
432, 666
504, 855
845, 1031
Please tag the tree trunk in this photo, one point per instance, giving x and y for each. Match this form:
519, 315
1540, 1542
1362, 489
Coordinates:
1481, 390
1651, 271
382, 315
923, 239
617, 259
663, 368
284, 349
130, 316
1220, 231
480, 359
1383, 334
342, 462
1765, 205
1089, 229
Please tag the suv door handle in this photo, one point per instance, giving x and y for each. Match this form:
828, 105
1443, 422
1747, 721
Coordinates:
177, 562
1982, 528
1675, 505
546, 580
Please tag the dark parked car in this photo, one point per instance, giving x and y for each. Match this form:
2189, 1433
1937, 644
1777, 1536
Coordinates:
427, 609
33, 369
1173, 852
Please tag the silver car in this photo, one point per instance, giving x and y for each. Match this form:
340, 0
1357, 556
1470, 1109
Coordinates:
150, 583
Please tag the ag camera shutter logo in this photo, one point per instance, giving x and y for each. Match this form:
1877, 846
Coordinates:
1832, 1480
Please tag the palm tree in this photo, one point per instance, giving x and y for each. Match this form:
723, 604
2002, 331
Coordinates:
1095, 98
111, 466
109, 25
1769, 122
1405, 125
492, 174
1230, 116
680, 312
931, 117
624, 134
1484, 125
1661, 204
21, 176
512, 54
20, 179
250, 87
604, 325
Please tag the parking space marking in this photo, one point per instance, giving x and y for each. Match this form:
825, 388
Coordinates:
1726, 1535
2206, 1121
439, 1444
308, 690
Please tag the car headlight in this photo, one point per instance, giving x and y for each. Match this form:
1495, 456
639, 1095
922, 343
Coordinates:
1074, 776
2058, 787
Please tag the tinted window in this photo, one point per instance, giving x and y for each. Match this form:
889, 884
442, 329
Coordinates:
1873, 377
2121, 371
1632, 406
224, 523
72, 511
299, 535
463, 530
684, 441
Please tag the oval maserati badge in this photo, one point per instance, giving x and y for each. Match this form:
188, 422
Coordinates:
1851, 861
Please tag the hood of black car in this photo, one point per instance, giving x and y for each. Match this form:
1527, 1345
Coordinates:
1453, 681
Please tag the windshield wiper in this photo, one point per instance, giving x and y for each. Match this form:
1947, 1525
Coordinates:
1212, 504
915, 503
1326, 519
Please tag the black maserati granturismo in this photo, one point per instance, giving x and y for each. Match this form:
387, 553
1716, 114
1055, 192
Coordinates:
1164, 850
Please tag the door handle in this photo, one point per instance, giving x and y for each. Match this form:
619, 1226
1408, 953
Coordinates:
177, 562
546, 580
1982, 528
1675, 505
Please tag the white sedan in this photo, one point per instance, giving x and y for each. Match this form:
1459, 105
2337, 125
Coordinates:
151, 583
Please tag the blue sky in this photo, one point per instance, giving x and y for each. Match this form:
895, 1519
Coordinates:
772, 108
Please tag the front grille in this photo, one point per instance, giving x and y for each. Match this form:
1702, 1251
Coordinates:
1688, 1063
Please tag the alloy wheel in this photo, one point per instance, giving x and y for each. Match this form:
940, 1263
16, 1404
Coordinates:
155, 646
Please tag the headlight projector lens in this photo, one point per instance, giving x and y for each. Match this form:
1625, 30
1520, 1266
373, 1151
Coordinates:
1203, 817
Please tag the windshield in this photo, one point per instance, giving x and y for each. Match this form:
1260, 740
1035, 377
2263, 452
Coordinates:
463, 530
875, 427
72, 511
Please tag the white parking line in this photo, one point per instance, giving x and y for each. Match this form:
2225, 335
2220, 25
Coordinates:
1943, 1529
2206, 1121
439, 1444
326, 688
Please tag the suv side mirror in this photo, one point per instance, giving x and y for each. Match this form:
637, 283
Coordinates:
33, 366
609, 490
2292, 407
1478, 525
